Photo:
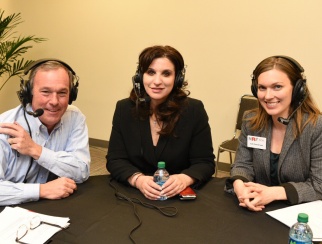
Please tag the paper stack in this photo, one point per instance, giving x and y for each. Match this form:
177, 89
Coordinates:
288, 216
12, 218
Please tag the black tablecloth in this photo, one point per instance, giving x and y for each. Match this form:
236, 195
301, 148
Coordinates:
97, 216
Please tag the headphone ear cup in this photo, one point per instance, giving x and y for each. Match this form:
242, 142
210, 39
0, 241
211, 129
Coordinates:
73, 93
253, 87
138, 78
180, 79
299, 92
24, 94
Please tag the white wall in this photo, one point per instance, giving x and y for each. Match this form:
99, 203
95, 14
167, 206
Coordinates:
221, 41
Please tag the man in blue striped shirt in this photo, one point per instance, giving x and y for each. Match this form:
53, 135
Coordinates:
44, 149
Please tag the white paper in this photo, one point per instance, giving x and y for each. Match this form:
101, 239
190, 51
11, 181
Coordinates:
288, 216
12, 218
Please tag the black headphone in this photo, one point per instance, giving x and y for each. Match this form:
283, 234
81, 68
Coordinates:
299, 90
138, 78
25, 95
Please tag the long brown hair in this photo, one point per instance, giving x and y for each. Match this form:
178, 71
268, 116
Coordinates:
169, 111
291, 68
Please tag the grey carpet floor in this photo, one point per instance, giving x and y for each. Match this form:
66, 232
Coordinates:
98, 163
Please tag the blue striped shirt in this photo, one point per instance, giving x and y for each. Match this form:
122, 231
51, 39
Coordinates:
65, 152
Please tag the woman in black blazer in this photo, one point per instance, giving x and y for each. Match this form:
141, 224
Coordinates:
158, 122
288, 165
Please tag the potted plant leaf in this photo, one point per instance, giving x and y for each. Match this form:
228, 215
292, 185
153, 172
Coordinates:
12, 47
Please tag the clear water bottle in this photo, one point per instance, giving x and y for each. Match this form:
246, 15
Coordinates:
160, 176
300, 232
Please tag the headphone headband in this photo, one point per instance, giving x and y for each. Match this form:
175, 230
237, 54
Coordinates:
44, 60
292, 60
299, 90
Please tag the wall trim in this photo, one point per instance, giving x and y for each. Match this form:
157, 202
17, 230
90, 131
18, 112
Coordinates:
102, 143
98, 143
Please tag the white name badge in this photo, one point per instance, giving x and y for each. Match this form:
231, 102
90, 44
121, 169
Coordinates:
256, 142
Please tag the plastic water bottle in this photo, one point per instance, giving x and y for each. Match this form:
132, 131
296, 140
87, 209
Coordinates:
160, 176
300, 232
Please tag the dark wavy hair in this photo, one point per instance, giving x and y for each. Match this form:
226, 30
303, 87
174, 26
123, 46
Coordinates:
260, 119
169, 111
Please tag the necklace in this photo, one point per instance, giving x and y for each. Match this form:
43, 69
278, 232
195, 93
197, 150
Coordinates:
155, 128
156, 124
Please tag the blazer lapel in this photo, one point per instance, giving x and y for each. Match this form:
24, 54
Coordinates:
152, 154
146, 141
160, 146
266, 153
288, 141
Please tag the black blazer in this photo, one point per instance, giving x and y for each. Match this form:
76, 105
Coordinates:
131, 148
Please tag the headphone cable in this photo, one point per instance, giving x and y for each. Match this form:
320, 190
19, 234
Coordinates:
166, 211
31, 159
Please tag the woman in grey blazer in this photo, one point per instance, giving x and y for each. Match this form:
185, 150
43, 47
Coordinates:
280, 147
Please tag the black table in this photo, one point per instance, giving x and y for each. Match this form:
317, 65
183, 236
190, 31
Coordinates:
97, 216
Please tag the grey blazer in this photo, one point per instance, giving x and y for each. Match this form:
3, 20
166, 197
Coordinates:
299, 165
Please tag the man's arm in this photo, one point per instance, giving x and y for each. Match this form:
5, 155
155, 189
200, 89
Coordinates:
15, 193
65, 152
68, 155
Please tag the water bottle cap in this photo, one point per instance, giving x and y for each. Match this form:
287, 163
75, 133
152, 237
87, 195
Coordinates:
303, 218
161, 165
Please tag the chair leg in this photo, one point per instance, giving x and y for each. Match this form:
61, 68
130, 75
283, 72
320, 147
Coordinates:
231, 159
217, 163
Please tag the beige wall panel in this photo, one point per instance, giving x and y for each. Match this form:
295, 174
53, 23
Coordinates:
221, 42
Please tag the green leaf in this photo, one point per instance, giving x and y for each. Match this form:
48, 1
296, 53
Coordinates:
12, 47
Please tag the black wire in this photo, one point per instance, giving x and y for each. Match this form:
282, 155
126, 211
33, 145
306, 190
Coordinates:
24, 114
31, 159
166, 211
